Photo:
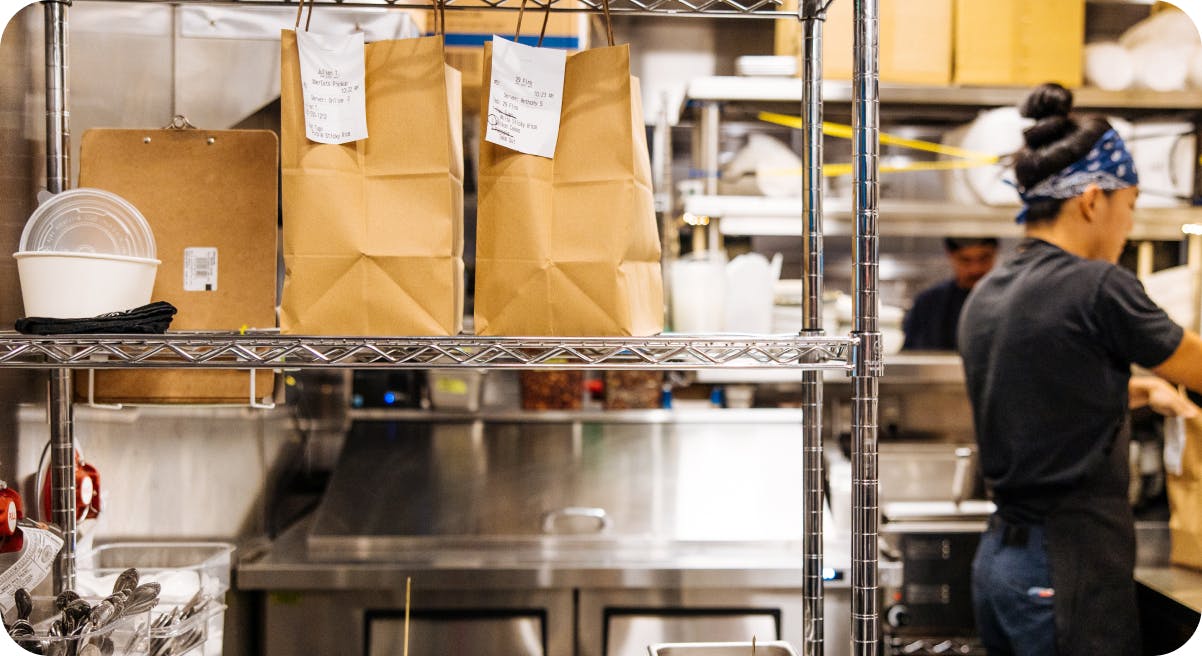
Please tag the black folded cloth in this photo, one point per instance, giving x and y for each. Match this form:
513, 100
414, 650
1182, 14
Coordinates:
150, 319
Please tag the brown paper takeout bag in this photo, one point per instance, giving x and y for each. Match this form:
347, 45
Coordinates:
196, 188
373, 230
569, 246
1185, 501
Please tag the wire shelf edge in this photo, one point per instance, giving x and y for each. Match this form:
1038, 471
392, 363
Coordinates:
274, 351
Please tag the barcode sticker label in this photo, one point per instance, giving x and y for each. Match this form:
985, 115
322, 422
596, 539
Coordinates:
200, 269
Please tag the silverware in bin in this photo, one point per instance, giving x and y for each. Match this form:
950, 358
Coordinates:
771, 648
75, 627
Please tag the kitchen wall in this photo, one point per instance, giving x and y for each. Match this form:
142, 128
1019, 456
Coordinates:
21, 172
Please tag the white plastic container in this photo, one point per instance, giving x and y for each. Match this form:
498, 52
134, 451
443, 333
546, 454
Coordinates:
456, 390
77, 285
698, 295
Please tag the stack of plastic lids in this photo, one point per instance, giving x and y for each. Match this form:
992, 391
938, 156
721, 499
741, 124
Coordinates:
88, 221
85, 252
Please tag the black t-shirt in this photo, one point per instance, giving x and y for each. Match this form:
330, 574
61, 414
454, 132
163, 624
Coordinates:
931, 322
1048, 339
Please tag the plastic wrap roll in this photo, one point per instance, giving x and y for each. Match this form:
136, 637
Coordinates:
1195, 69
1171, 26
1108, 66
1161, 67
1164, 155
766, 165
997, 131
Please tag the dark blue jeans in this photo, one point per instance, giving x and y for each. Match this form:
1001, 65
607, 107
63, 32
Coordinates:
1012, 592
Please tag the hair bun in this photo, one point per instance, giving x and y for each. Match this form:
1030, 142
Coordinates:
1046, 101
1049, 104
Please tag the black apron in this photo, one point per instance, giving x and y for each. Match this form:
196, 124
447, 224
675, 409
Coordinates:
1090, 537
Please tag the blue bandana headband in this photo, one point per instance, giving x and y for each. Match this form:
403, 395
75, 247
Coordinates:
1108, 165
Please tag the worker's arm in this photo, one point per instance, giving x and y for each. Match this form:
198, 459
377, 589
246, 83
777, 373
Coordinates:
1184, 366
1163, 398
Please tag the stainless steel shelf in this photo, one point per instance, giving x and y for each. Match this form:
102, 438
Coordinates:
763, 9
233, 351
788, 90
911, 367
679, 415
778, 217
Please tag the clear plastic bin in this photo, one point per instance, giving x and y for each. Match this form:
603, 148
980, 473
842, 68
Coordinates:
190, 637
127, 635
181, 568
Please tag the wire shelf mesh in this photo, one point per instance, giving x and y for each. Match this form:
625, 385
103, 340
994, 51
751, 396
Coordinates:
232, 351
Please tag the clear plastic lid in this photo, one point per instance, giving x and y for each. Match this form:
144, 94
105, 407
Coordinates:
88, 221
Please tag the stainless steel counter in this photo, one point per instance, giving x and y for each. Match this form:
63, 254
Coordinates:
287, 566
496, 505
1180, 584
567, 493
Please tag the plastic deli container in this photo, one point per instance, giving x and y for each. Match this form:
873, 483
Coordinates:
181, 569
84, 253
78, 285
88, 221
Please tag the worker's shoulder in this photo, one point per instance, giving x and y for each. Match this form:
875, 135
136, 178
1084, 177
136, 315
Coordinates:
934, 293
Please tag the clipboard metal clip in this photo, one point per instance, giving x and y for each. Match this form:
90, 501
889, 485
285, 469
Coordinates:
179, 122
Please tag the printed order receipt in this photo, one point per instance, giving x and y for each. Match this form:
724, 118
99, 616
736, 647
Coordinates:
37, 556
332, 83
525, 97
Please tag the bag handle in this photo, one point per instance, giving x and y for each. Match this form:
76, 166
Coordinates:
609, 26
546, 16
300, 10
440, 19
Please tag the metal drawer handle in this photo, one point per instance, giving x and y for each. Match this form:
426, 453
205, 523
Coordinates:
551, 518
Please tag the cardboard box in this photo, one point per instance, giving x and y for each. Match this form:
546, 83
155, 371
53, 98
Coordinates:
468, 31
901, 61
1019, 42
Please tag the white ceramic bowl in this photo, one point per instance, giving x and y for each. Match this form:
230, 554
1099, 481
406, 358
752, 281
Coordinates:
78, 285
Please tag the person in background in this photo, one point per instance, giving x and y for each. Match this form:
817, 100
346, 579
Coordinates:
1048, 340
931, 323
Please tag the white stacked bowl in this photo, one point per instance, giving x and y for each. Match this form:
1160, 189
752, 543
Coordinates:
84, 253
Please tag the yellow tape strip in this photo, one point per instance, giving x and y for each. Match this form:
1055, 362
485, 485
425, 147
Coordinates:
835, 170
841, 131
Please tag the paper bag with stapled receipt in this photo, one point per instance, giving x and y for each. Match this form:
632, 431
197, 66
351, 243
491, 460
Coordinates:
373, 229
568, 245
212, 200
1183, 465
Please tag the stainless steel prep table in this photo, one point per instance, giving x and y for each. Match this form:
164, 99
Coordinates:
697, 517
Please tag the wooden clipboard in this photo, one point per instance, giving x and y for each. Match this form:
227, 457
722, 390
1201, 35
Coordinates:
211, 197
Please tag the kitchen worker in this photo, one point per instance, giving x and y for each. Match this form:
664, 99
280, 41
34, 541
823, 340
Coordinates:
1048, 339
930, 325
